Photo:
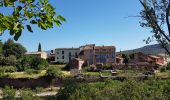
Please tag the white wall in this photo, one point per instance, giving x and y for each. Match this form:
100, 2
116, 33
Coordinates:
59, 55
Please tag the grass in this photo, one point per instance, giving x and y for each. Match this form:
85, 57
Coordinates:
26, 75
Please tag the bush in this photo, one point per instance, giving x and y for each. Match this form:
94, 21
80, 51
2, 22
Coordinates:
39, 89
10, 69
27, 94
107, 67
31, 62
9, 93
53, 72
163, 69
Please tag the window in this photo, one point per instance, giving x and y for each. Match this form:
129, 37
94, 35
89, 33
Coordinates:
62, 52
76, 55
62, 57
69, 54
52, 51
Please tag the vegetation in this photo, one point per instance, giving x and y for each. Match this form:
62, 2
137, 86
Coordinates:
9, 93
26, 13
53, 72
116, 90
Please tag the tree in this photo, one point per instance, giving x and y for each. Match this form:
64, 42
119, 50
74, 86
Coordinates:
11, 48
126, 58
39, 47
26, 13
155, 15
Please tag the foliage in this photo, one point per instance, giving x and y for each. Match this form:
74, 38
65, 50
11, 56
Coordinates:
27, 94
53, 72
9, 93
26, 13
31, 62
163, 69
126, 58
115, 90
11, 48
155, 15
107, 67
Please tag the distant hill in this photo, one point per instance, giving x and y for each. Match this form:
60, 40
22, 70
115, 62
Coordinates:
155, 49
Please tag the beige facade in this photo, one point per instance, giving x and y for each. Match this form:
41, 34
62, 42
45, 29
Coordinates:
98, 54
38, 54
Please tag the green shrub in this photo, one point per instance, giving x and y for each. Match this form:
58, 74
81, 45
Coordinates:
10, 69
53, 72
39, 89
27, 94
9, 93
163, 69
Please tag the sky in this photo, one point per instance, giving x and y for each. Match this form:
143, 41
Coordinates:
100, 22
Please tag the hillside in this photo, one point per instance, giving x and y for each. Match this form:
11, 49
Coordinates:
149, 49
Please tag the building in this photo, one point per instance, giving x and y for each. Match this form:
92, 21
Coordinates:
152, 59
65, 55
38, 54
97, 54
76, 63
51, 56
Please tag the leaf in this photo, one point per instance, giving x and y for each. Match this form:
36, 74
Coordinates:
17, 35
29, 28
33, 22
61, 18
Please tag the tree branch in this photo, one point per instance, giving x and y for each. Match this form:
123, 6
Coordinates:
167, 17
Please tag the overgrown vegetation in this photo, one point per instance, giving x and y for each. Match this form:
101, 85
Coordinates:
115, 90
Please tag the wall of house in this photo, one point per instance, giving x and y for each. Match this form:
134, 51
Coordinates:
66, 55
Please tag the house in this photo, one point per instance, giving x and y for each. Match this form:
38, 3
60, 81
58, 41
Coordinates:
151, 59
65, 55
119, 60
41, 54
97, 54
76, 63
51, 56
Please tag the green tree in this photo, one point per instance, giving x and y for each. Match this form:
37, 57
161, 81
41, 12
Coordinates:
11, 48
26, 13
155, 15
39, 47
126, 58
53, 72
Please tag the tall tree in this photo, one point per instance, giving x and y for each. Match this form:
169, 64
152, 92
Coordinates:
26, 13
39, 47
11, 48
155, 15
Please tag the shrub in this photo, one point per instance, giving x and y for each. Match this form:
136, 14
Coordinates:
163, 69
53, 72
9, 93
39, 89
9, 69
27, 94
31, 62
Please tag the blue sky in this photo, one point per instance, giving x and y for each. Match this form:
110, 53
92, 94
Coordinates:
100, 22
